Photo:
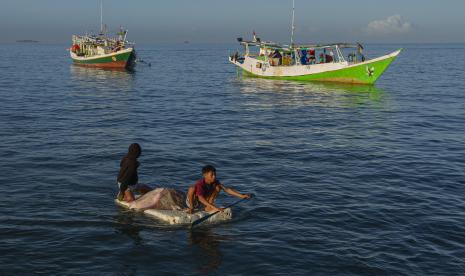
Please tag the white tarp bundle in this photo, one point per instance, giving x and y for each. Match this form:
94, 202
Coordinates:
160, 198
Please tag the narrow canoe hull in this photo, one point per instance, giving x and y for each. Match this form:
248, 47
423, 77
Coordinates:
124, 59
366, 72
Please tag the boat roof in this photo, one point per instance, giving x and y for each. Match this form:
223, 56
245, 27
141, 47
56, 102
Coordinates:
272, 45
99, 39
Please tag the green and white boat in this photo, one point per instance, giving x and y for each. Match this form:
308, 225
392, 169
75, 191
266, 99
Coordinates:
336, 62
311, 62
103, 51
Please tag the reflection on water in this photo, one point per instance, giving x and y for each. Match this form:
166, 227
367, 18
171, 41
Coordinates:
206, 245
303, 108
125, 225
102, 79
294, 93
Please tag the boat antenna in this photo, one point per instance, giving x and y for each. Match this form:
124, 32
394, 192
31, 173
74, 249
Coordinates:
292, 27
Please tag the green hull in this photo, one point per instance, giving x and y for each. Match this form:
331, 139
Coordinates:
122, 60
366, 73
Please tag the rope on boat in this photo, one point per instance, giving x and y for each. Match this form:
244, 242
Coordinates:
143, 62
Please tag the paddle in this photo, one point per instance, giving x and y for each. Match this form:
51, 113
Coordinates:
200, 220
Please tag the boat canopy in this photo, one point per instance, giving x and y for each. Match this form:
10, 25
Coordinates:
331, 51
284, 47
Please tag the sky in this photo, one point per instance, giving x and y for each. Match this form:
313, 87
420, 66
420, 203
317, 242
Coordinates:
222, 21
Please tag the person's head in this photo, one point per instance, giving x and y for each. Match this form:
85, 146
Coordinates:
134, 150
209, 174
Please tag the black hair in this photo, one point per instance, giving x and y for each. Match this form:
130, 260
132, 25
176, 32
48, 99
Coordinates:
208, 168
134, 150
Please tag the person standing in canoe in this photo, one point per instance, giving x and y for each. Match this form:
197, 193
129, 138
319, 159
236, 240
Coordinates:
206, 190
127, 176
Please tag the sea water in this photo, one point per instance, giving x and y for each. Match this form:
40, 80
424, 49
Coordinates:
349, 180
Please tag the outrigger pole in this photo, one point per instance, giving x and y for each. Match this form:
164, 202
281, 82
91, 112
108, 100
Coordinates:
292, 27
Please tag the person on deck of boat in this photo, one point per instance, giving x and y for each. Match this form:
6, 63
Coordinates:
360, 57
330, 57
127, 177
322, 58
118, 47
303, 57
235, 56
277, 58
311, 56
206, 190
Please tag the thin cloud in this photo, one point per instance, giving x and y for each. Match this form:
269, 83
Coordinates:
392, 25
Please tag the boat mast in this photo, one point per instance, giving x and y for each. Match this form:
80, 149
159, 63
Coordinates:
292, 27
101, 17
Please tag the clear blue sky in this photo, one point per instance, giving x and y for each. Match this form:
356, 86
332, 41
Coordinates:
221, 21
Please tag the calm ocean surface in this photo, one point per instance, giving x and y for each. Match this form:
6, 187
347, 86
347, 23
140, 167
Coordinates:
349, 180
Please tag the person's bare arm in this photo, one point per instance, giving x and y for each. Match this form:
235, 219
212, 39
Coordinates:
235, 193
208, 204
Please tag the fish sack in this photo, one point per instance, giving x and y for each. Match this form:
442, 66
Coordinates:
160, 198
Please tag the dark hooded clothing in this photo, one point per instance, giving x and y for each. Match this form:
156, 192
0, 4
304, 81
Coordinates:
276, 54
128, 167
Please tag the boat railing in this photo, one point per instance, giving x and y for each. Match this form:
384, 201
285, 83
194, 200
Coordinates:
252, 55
292, 61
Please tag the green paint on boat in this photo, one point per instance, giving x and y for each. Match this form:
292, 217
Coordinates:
107, 59
366, 73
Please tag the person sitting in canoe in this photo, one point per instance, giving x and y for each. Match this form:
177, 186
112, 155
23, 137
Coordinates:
159, 198
127, 177
206, 190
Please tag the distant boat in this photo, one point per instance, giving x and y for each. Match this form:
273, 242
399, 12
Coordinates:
103, 51
335, 62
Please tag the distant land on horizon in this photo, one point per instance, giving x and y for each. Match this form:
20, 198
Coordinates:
27, 41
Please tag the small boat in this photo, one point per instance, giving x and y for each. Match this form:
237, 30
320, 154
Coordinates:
335, 62
103, 51
179, 217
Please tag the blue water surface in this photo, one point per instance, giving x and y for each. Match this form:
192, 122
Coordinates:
349, 180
